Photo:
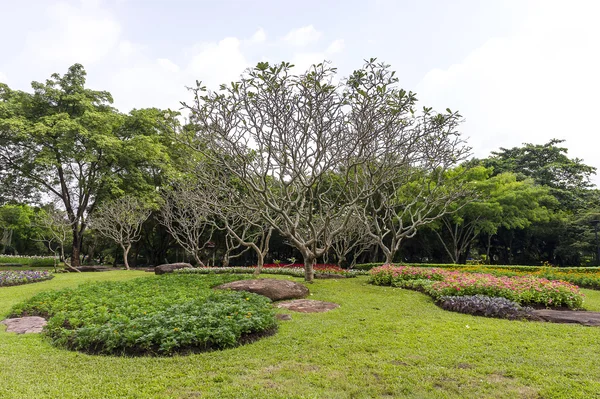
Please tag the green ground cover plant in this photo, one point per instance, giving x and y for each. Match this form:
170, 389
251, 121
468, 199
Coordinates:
18, 277
524, 290
158, 315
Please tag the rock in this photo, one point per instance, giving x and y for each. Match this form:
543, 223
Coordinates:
568, 316
276, 290
308, 306
169, 267
25, 325
283, 316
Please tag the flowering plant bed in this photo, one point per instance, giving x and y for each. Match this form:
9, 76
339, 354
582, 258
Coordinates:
18, 277
524, 290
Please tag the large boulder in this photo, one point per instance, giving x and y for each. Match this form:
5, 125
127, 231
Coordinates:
276, 290
169, 267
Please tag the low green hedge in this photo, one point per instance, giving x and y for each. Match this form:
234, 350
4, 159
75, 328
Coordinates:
152, 315
287, 271
32, 261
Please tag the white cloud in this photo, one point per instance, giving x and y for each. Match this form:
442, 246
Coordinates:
218, 63
336, 46
302, 37
3, 78
303, 61
260, 36
537, 84
168, 65
82, 34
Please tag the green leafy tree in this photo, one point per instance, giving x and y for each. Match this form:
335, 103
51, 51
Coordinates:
548, 165
67, 141
501, 201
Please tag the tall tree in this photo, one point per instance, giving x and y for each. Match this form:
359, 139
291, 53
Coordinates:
548, 165
501, 201
284, 136
69, 142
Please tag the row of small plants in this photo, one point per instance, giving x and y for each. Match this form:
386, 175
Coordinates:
438, 283
33, 261
158, 315
586, 277
583, 277
18, 277
481, 305
288, 271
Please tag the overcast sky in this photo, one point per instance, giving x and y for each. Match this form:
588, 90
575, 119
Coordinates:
518, 71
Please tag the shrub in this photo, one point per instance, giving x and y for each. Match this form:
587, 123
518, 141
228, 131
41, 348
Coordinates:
152, 315
391, 275
482, 305
18, 277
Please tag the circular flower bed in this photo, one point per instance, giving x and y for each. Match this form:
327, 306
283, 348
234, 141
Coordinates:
158, 315
18, 277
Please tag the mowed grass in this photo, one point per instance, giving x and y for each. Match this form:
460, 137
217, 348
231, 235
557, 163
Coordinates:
381, 342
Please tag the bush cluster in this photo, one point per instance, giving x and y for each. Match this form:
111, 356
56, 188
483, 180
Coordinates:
151, 315
18, 277
526, 289
481, 305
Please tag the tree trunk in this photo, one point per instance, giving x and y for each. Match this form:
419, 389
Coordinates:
225, 262
76, 250
125, 255
389, 255
259, 264
309, 272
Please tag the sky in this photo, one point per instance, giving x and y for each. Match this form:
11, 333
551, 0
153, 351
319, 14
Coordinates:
518, 71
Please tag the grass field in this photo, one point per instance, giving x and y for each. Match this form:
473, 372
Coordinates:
381, 342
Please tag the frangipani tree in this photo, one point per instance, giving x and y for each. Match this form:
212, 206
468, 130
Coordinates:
284, 136
121, 220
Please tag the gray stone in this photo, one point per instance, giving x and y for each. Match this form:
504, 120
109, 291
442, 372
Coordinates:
25, 325
568, 316
276, 290
308, 306
169, 267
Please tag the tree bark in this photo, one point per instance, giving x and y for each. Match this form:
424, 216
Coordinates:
309, 272
259, 264
125, 255
76, 250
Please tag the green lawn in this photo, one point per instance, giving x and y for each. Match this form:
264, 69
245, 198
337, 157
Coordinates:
381, 342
